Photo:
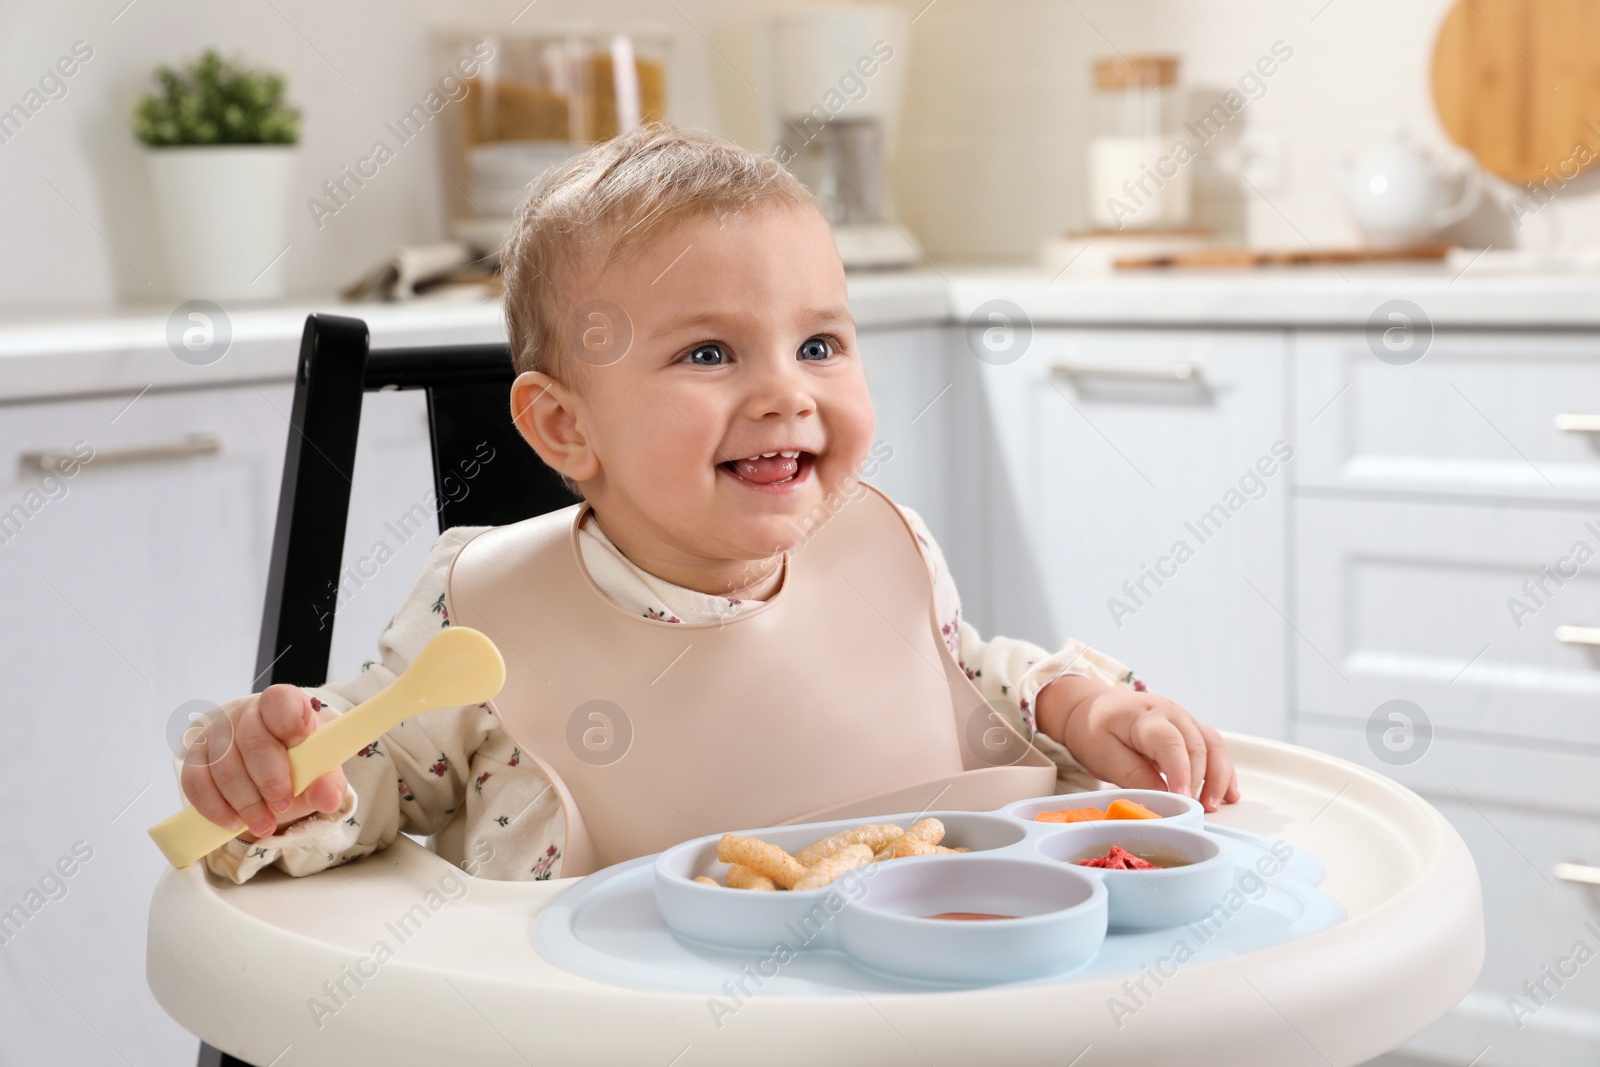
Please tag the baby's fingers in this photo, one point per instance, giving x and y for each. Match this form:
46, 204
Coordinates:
207, 799
234, 779
287, 714
326, 793
1127, 768
1160, 741
1221, 781
1195, 741
266, 760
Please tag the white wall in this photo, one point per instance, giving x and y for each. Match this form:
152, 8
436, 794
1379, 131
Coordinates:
989, 165
76, 211
992, 156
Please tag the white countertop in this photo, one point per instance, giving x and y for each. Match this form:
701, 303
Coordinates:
63, 353
1319, 297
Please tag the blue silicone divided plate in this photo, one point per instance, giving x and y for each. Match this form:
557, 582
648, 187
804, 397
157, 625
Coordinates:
609, 927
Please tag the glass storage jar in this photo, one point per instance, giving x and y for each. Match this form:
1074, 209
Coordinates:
526, 102
1139, 171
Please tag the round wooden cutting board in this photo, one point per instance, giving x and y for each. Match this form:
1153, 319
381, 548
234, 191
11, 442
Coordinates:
1517, 84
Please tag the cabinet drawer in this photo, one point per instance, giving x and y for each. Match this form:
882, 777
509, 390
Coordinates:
1477, 414
1518, 813
156, 546
1420, 601
1136, 498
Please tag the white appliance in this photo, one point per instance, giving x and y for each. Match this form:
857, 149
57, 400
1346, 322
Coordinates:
830, 84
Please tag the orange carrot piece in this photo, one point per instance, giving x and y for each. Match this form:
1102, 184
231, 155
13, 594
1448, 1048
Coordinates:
1071, 815
1128, 809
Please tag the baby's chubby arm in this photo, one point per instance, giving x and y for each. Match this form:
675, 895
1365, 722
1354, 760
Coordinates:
410, 780
1132, 738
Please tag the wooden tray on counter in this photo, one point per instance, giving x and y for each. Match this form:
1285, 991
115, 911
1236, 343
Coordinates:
1263, 257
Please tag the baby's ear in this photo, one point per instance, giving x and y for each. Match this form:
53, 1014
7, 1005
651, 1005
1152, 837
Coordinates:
547, 415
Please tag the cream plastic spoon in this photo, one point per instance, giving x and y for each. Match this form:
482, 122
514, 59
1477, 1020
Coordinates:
459, 666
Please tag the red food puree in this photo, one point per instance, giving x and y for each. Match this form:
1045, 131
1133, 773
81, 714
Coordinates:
1118, 859
967, 915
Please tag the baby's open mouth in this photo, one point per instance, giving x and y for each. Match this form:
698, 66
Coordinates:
771, 470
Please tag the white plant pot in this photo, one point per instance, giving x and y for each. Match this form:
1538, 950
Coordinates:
224, 212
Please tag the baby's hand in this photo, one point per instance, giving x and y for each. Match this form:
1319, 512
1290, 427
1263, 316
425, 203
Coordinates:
249, 783
1132, 738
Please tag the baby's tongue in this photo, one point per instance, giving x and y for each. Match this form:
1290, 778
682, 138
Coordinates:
764, 471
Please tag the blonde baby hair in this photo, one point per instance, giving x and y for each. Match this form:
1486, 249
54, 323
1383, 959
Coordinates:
611, 198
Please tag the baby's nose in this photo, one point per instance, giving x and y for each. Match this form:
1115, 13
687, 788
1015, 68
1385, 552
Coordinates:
782, 392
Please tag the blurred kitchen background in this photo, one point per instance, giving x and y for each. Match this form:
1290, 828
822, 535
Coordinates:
1344, 344
990, 163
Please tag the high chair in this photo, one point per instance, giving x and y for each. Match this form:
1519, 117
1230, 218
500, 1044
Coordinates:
467, 393
1382, 904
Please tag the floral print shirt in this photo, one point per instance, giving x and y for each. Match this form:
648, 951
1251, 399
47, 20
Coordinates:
454, 775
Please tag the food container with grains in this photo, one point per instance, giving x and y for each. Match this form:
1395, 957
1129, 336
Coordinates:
536, 99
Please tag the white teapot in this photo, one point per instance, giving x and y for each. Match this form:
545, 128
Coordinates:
1399, 195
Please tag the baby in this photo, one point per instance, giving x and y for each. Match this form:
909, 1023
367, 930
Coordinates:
732, 630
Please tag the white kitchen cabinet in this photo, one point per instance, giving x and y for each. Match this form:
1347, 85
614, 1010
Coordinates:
134, 591
1521, 812
1477, 414
1141, 507
1413, 600
1444, 544
144, 581
911, 389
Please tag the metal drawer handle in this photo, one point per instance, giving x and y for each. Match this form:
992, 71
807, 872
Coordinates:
1169, 372
1581, 873
1573, 422
1578, 635
195, 444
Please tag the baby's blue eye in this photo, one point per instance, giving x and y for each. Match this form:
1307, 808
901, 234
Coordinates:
815, 348
707, 355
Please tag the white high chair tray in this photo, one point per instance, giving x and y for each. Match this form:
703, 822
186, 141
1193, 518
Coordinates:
322, 970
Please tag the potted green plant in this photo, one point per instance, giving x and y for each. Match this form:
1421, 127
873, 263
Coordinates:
220, 139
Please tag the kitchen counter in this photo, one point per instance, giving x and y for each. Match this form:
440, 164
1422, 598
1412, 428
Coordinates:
1296, 297
63, 354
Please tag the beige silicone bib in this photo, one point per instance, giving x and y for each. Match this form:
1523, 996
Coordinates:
836, 698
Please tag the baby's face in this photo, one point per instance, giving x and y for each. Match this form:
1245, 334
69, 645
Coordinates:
741, 403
